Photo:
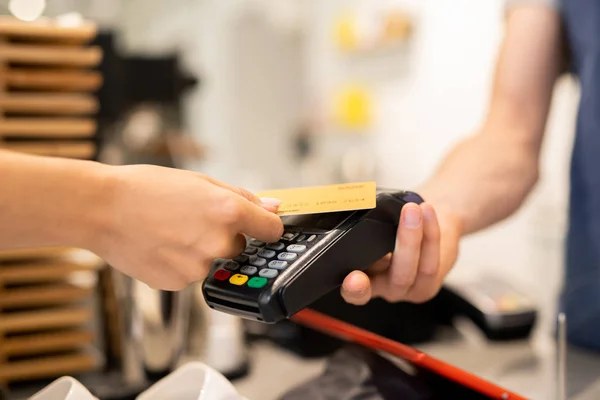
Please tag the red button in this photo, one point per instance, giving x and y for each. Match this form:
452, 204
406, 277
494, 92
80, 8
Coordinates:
222, 275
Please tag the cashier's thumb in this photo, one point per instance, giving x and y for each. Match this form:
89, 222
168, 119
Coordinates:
356, 288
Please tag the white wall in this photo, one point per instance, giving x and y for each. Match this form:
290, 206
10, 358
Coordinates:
251, 91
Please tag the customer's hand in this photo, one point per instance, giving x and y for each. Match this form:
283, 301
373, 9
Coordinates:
166, 226
426, 249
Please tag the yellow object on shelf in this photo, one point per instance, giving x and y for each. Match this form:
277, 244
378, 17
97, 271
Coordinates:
345, 32
371, 29
353, 107
397, 27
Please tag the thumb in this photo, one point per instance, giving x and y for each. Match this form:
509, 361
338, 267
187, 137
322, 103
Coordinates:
356, 288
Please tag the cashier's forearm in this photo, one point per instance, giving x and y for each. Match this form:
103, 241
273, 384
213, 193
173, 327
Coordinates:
484, 179
487, 177
48, 201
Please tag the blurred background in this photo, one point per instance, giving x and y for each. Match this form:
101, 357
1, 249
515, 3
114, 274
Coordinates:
280, 93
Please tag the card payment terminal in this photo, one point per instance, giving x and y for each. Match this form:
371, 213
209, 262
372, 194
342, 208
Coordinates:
270, 282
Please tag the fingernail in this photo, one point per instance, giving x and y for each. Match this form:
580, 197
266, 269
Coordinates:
356, 293
269, 201
428, 212
412, 217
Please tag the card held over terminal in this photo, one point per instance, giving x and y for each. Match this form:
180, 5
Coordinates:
326, 198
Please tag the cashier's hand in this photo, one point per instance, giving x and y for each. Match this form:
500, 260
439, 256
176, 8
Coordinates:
426, 249
166, 226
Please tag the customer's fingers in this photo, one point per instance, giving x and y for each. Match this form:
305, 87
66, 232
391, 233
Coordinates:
261, 224
426, 284
267, 203
270, 204
405, 259
237, 247
356, 288
255, 221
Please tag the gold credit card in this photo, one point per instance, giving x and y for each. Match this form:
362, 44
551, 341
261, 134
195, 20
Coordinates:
327, 198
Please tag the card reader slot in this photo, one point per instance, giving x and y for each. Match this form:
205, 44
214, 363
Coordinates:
218, 301
223, 294
237, 312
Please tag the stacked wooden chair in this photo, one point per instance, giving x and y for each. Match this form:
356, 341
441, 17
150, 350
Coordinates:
48, 301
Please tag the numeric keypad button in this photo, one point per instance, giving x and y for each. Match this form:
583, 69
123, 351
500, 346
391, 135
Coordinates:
257, 261
266, 253
231, 265
250, 250
278, 264
287, 256
241, 259
276, 246
248, 270
289, 236
256, 243
296, 248
268, 273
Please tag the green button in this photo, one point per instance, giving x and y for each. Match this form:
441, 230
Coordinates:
257, 282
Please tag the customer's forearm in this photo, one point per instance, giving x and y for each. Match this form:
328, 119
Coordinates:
49, 201
484, 179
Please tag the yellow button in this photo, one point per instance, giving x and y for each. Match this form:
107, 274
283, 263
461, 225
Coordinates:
238, 279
